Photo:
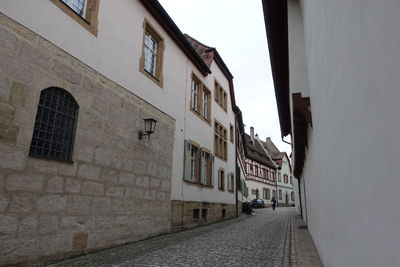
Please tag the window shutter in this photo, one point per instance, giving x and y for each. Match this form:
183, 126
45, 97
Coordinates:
202, 169
186, 161
212, 171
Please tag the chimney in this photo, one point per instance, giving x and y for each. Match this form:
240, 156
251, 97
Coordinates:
257, 137
252, 134
268, 139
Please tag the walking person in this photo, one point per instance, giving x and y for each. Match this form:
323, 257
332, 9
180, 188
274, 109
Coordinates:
273, 201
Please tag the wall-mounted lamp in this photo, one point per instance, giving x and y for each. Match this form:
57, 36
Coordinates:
149, 127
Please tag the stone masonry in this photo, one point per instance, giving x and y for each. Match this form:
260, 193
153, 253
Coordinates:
117, 190
183, 218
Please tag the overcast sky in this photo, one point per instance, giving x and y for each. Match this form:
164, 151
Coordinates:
236, 28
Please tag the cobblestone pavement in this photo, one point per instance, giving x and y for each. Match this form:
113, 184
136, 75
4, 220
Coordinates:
265, 238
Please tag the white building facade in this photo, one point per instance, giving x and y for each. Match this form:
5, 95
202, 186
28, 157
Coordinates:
207, 192
336, 74
285, 194
112, 65
260, 170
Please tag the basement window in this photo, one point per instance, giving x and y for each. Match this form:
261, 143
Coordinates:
204, 213
196, 213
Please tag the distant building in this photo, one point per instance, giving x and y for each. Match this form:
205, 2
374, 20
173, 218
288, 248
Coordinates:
241, 173
260, 170
285, 193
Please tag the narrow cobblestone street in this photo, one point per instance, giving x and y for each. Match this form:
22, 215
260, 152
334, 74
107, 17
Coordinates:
265, 238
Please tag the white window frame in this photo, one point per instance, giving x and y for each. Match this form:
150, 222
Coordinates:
194, 158
204, 104
150, 53
195, 94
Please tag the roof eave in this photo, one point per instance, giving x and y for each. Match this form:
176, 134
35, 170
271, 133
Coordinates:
221, 64
276, 24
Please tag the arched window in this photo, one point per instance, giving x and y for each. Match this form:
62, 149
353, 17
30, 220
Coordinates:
55, 124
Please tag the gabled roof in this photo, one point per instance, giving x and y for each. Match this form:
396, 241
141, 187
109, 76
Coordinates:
254, 151
201, 59
208, 54
270, 146
274, 152
204, 51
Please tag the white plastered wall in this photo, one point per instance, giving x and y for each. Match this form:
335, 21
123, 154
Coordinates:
200, 132
115, 53
351, 175
286, 188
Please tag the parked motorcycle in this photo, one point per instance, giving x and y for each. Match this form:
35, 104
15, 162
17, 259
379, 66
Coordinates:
247, 207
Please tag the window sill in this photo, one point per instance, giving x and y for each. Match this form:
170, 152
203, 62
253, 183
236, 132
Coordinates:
221, 158
51, 159
198, 184
90, 24
222, 107
155, 79
208, 122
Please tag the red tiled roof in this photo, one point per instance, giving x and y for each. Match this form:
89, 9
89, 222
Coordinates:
208, 55
274, 152
204, 51
255, 152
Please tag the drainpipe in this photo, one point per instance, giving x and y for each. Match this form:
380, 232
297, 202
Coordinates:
236, 168
283, 140
276, 191
305, 201
301, 207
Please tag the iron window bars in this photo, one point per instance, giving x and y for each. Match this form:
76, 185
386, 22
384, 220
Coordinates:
55, 124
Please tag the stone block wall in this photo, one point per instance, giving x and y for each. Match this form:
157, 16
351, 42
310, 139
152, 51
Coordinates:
117, 189
183, 218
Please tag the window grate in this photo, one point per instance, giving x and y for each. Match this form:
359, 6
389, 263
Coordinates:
55, 123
